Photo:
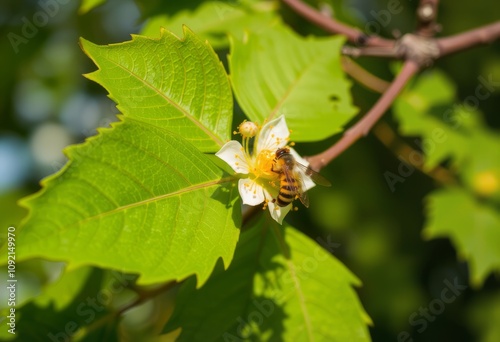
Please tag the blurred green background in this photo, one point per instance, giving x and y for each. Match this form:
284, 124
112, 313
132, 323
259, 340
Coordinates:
46, 104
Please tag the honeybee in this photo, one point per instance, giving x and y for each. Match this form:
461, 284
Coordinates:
291, 178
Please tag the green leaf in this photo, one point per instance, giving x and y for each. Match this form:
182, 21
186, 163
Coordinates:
281, 286
451, 131
456, 132
63, 291
277, 72
483, 316
35, 323
214, 20
427, 110
136, 198
88, 5
12, 214
481, 173
473, 227
170, 83
151, 8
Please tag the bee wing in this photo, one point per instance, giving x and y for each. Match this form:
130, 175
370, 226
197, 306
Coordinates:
299, 175
302, 194
293, 176
316, 177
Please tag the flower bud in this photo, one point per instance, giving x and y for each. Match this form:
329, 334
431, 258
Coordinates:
248, 129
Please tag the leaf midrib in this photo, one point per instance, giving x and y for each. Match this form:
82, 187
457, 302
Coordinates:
170, 101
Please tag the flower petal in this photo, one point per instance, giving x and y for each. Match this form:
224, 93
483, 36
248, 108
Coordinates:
251, 193
232, 153
278, 213
273, 135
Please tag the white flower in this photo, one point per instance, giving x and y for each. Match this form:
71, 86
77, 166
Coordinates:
261, 184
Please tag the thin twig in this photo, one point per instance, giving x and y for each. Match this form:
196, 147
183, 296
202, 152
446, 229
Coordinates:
385, 133
143, 296
462, 41
390, 139
354, 35
384, 52
363, 76
363, 126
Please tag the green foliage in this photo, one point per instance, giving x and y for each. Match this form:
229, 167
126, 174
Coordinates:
88, 5
144, 198
214, 20
427, 110
277, 72
55, 322
474, 228
456, 133
484, 316
271, 293
134, 175
180, 85
62, 292
147, 197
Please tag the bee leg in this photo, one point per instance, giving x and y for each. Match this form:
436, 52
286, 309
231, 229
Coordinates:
266, 203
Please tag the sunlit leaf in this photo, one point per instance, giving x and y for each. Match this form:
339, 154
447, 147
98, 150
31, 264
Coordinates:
473, 227
455, 132
88, 5
137, 198
214, 20
281, 286
176, 84
427, 110
277, 72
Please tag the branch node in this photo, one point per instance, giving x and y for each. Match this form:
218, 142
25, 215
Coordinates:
422, 50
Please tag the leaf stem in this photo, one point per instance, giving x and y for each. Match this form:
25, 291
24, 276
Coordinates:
144, 295
363, 126
363, 76
400, 148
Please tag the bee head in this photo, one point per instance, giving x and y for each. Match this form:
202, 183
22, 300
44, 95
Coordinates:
280, 152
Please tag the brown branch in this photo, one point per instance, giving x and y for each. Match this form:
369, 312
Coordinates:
462, 41
363, 126
419, 50
385, 133
354, 35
